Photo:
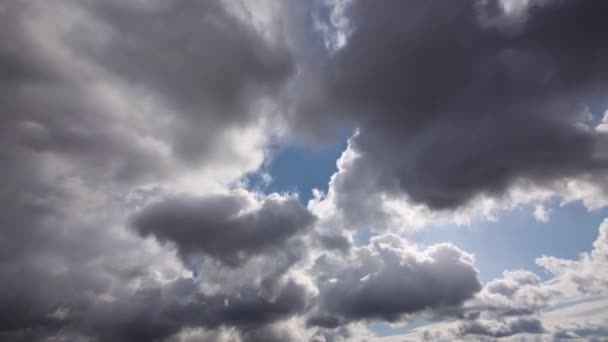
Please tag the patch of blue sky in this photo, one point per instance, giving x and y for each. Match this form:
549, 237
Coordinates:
517, 238
381, 329
597, 108
300, 168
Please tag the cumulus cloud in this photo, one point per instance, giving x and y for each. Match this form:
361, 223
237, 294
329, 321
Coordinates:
390, 278
515, 293
450, 108
582, 276
210, 69
109, 104
353, 204
161, 311
569, 305
231, 228
128, 127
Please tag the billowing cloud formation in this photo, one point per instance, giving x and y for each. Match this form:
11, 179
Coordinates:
582, 275
232, 228
196, 93
210, 68
464, 98
158, 312
518, 305
390, 278
128, 127
105, 104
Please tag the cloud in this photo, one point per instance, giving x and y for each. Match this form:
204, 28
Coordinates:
209, 68
153, 314
541, 213
516, 293
569, 305
390, 278
582, 276
589, 332
450, 107
107, 105
354, 204
232, 228
128, 125
509, 327
200, 93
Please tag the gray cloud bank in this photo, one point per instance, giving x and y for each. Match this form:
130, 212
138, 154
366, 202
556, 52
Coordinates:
461, 98
224, 226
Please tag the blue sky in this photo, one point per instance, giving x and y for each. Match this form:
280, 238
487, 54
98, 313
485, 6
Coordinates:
299, 168
517, 238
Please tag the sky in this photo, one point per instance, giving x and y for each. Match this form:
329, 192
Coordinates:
322, 171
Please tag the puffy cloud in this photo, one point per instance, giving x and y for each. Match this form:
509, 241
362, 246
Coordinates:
541, 213
450, 107
570, 305
517, 306
200, 93
390, 278
232, 228
147, 113
354, 204
157, 313
516, 293
582, 276
107, 104
209, 69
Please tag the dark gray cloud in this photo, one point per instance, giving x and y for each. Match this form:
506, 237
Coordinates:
73, 304
98, 98
389, 278
270, 334
333, 242
228, 227
196, 58
454, 100
73, 90
159, 312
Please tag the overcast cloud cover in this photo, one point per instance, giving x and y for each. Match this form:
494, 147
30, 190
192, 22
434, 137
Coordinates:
129, 129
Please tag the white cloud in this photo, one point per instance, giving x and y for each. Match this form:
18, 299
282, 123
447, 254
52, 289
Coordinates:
541, 213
